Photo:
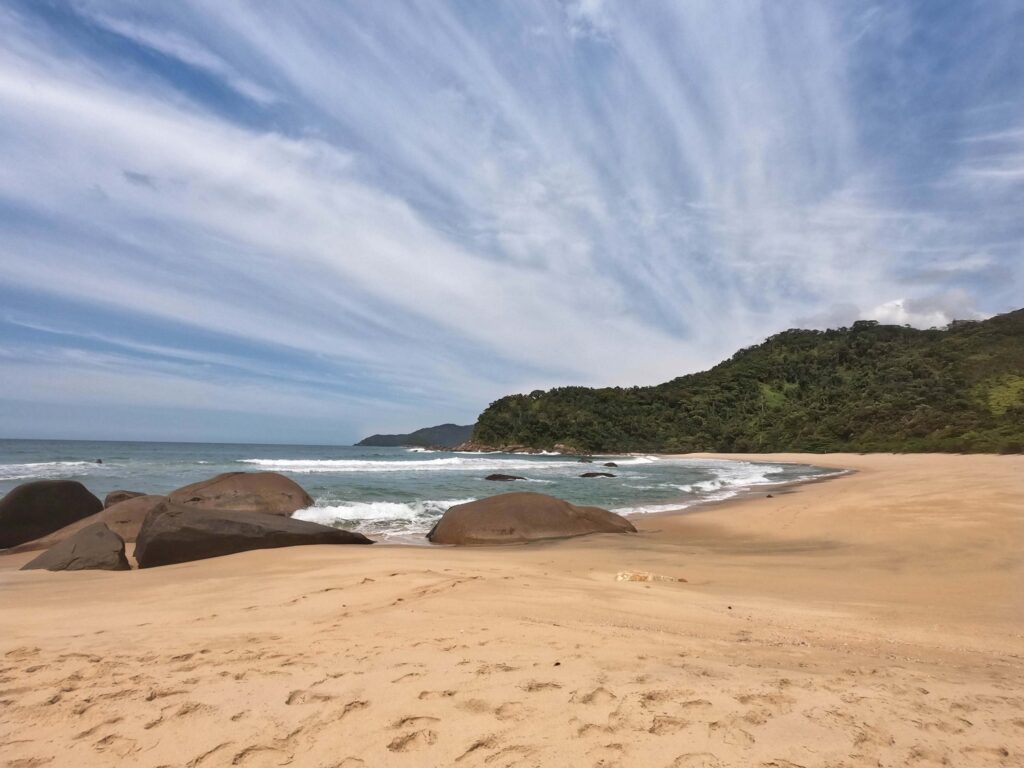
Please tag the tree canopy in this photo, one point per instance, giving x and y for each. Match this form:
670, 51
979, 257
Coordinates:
869, 387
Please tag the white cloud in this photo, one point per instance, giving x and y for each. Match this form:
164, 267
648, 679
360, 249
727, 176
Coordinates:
458, 207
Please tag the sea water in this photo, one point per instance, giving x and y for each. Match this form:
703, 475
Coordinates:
394, 493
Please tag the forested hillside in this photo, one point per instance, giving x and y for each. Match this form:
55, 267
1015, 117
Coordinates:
869, 387
443, 435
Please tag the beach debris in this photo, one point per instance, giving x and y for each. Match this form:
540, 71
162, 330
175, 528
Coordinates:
646, 576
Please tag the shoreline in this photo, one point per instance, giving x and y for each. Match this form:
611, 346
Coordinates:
876, 620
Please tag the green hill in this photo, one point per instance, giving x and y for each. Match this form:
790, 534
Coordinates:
869, 387
442, 436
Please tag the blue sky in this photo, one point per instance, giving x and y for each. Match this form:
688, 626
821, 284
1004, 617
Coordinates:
309, 221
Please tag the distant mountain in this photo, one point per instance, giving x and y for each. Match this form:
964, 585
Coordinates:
442, 436
869, 387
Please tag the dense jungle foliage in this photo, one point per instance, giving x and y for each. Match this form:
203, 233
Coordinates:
869, 387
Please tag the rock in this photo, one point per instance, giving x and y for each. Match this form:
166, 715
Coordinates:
124, 518
267, 493
517, 517
35, 509
610, 464
503, 478
116, 497
645, 576
174, 533
94, 547
584, 461
597, 474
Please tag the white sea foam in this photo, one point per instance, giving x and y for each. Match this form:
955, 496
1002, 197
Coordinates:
650, 508
395, 516
45, 470
450, 463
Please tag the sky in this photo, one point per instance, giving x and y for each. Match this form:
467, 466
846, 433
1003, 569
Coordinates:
309, 221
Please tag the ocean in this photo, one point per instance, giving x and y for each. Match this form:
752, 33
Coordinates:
393, 493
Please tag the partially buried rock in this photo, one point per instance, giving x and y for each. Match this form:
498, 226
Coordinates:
35, 509
519, 517
116, 497
597, 474
503, 478
172, 533
265, 492
94, 548
124, 518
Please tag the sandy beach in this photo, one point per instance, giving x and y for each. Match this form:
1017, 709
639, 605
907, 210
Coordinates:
876, 619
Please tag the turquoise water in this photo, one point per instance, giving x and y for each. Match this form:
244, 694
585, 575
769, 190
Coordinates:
391, 491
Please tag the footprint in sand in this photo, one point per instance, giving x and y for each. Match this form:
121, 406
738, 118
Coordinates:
307, 697
511, 710
413, 720
533, 686
477, 706
424, 695
665, 724
730, 733
599, 695
696, 760
413, 741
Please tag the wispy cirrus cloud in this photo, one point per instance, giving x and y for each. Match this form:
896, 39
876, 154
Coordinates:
397, 212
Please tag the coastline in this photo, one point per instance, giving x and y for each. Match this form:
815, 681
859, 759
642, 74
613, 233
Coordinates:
873, 619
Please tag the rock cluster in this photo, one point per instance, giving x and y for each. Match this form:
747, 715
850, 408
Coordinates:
232, 512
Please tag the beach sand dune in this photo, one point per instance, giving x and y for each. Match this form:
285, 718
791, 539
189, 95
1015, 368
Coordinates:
875, 619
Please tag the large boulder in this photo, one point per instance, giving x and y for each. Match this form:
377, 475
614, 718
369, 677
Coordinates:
517, 517
35, 509
116, 497
124, 519
173, 533
94, 547
265, 492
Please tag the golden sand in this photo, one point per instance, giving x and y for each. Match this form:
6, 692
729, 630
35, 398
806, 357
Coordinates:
875, 619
